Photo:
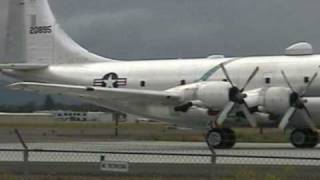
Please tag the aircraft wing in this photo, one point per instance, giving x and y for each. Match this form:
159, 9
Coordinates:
128, 96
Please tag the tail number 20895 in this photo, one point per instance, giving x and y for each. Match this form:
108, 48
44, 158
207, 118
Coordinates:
40, 30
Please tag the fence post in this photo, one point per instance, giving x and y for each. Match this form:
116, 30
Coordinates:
102, 158
116, 117
25, 155
213, 163
261, 130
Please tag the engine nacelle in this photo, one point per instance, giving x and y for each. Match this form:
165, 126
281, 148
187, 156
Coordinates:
214, 94
276, 100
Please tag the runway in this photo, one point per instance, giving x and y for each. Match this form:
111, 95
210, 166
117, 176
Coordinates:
273, 154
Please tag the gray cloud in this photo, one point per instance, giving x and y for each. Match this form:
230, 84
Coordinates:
151, 29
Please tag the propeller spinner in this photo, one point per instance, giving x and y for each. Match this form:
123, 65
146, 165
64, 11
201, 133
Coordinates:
297, 103
237, 98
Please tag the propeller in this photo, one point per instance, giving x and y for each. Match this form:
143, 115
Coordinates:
236, 98
297, 103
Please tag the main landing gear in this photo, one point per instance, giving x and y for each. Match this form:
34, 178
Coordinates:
221, 138
225, 138
304, 138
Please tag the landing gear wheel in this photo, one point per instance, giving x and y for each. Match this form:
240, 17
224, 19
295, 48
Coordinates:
221, 138
304, 138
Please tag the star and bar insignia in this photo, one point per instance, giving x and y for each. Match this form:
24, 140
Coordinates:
110, 80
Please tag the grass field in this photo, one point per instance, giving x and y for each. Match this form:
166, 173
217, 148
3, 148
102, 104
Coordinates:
141, 131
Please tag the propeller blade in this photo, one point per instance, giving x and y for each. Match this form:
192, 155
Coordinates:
252, 120
287, 81
286, 118
308, 118
253, 74
225, 72
309, 84
307, 111
224, 114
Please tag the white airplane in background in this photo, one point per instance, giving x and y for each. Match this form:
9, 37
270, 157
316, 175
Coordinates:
194, 92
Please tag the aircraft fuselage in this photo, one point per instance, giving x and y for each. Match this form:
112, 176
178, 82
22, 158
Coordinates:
166, 74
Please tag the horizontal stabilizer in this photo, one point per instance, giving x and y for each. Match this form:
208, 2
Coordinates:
23, 66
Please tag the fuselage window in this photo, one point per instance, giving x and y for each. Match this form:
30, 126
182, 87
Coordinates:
182, 82
306, 79
267, 80
142, 83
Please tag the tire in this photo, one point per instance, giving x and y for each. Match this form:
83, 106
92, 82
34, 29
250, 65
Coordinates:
220, 138
313, 138
304, 138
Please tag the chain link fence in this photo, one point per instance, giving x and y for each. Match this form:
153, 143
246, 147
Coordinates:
64, 163
153, 160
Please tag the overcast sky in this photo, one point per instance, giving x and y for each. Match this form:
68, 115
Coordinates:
152, 29
155, 29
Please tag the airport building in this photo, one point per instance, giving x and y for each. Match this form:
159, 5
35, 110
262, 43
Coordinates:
76, 116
